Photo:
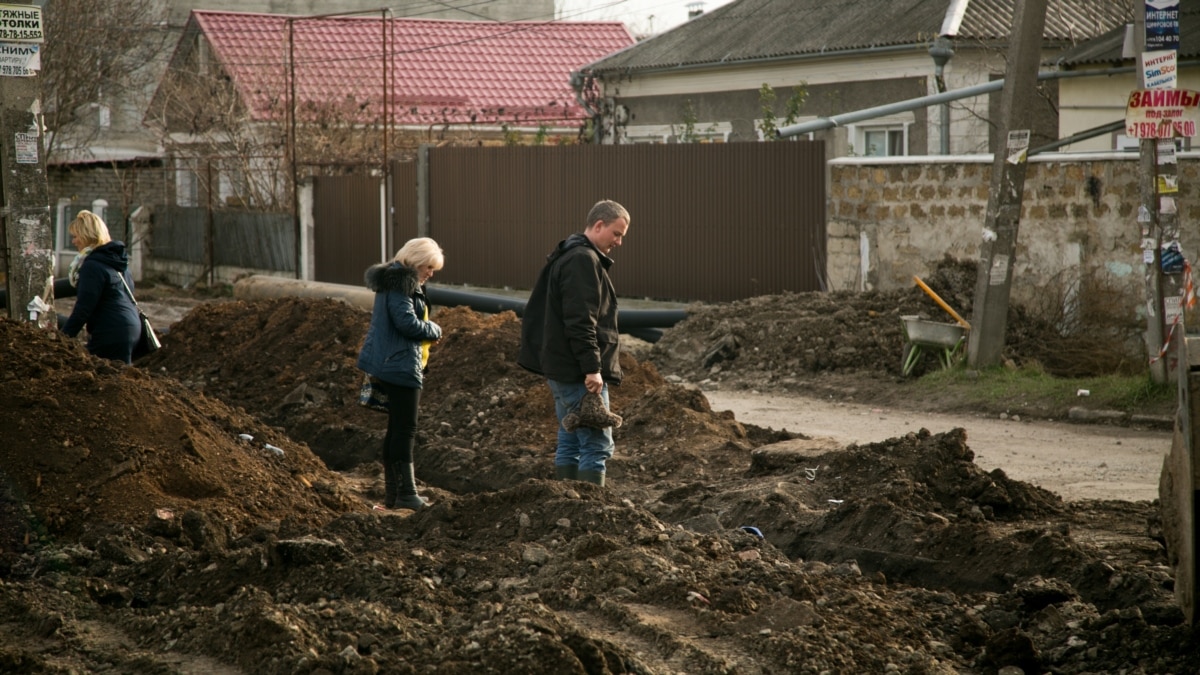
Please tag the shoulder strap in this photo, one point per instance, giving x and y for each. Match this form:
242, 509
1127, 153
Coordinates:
128, 290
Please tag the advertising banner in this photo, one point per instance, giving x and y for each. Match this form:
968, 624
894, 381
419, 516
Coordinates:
19, 59
21, 23
1162, 113
1162, 24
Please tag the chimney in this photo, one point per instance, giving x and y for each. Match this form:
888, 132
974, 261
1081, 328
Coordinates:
695, 9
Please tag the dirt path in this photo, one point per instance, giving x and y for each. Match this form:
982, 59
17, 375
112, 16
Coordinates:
1073, 460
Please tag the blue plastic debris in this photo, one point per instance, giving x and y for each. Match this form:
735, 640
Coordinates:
752, 530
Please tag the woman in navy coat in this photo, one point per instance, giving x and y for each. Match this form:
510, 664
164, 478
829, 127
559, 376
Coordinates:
395, 353
103, 291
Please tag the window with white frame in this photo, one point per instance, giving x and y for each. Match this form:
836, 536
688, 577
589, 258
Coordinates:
187, 183
63, 217
884, 141
882, 137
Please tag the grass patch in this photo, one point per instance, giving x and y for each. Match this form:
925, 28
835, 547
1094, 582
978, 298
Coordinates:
1035, 391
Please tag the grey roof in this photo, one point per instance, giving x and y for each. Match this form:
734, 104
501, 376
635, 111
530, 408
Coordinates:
750, 30
1108, 48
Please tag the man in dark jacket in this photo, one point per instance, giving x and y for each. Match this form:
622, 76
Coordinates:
569, 335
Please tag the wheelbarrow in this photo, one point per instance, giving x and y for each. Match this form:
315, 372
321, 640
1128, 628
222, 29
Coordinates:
947, 341
942, 339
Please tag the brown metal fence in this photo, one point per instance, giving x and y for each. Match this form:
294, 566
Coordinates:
710, 222
347, 228
347, 217
404, 203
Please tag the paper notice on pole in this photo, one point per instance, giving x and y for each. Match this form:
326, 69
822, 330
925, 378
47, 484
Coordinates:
1159, 68
999, 272
1018, 145
1167, 205
1172, 308
27, 148
21, 23
1165, 184
19, 60
1162, 113
1166, 151
1162, 24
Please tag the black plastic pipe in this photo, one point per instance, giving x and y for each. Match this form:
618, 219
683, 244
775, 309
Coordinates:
646, 324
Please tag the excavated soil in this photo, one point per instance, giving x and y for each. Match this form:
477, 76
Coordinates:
210, 510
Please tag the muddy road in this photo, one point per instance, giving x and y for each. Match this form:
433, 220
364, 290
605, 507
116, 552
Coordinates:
1076, 461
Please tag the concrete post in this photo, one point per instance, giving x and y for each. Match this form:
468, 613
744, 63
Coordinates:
25, 200
994, 285
1161, 344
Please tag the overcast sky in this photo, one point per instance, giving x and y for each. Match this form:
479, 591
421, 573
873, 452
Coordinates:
642, 16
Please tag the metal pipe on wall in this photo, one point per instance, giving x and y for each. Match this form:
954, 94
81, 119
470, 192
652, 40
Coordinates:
945, 97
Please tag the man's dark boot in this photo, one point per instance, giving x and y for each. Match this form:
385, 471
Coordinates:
406, 494
566, 471
593, 477
391, 484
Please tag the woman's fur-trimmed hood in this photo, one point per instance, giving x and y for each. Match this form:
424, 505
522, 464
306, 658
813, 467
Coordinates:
392, 277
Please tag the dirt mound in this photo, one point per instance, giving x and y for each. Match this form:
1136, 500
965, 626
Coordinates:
774, 341
86, 443
289, 361
718, 546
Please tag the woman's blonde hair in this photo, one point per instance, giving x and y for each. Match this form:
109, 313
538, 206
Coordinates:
420, 252
90, 229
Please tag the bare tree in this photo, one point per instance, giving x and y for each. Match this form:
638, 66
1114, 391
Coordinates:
99, 55
201, 115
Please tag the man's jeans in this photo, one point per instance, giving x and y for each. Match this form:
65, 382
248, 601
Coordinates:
588, 448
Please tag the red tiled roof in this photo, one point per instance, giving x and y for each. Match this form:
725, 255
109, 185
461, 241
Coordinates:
439, 71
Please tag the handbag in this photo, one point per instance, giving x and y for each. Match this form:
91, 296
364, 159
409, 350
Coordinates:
148, 341
371, 395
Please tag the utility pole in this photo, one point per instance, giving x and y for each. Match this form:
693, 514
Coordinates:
24, 194
1158, 187
989, 322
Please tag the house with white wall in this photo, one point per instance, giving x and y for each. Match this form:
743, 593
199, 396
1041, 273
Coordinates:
703, 80
1107, 72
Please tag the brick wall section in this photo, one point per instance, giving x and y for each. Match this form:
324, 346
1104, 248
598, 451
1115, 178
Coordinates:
889, 221
83, 184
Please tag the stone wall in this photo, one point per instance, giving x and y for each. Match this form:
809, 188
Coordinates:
890, 219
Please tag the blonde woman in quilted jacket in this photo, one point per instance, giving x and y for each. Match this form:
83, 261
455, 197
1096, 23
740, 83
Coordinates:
395, 353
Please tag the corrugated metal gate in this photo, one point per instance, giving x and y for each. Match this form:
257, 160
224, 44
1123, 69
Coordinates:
346, 231
710, 222
347, 215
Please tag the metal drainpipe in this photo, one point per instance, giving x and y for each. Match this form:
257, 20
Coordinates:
941, 51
